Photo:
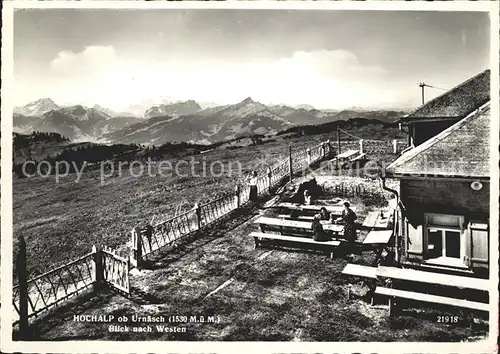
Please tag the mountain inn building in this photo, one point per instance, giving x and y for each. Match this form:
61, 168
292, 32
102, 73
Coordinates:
447, 109
444, 194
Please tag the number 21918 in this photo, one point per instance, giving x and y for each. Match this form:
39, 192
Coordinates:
447, 319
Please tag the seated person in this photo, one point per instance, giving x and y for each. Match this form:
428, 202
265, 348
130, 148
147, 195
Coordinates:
319, 234
307, 197
324, 214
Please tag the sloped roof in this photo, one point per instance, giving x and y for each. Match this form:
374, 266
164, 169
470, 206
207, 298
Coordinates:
462, 150
458, 102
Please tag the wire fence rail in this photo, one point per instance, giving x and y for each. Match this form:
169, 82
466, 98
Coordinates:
32, 296
149, 239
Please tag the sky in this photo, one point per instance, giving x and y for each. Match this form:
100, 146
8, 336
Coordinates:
328, 59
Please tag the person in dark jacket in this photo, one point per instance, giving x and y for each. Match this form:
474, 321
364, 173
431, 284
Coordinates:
319, 234
348, 218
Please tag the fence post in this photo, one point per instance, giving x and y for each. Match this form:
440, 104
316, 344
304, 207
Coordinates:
197, 211
322, 153
338, 141
395, 146
136, 247
308, 153
290, 167
328, 147
98, 267
360, 146
269, 179
237, 196
22, 277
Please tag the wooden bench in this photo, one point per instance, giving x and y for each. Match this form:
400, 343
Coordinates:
360, 271
329, 245
410, 295
363, 272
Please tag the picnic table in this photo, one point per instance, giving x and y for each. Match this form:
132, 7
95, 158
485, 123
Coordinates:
458, 282
329, 246
303, 227
433, 278
334, 209
347, 154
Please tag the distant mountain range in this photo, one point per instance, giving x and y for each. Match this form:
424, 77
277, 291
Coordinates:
178, 121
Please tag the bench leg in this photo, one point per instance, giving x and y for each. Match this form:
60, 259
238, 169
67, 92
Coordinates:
256, 239
393, 307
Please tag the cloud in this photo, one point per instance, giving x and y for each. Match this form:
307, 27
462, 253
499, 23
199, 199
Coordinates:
323, 78
340, 64
93, 59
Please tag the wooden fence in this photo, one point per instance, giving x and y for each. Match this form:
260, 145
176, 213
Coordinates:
348, 190
32, 296
151, 238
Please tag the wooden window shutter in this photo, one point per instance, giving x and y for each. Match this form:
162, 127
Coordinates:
414, 241
479, 243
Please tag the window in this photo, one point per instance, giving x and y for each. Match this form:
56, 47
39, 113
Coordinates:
444, 239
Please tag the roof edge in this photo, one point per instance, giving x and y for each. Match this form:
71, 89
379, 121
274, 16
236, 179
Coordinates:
463, 83
435, 139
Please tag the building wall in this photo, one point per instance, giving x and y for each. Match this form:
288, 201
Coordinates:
443, 197
422, 132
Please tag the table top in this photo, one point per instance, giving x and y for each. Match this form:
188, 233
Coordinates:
283, 222
433, 278
378, 237
332, 227
347, 154
336, 209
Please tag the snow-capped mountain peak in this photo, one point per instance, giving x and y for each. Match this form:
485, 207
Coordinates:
37, 108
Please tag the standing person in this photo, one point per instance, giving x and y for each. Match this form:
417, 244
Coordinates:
253, 187
348, 218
